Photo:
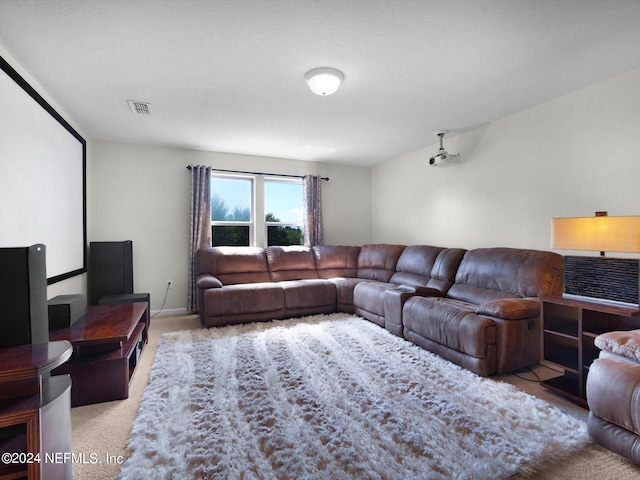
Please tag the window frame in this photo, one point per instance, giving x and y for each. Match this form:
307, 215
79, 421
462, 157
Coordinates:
300, 225
252, 215
258, 225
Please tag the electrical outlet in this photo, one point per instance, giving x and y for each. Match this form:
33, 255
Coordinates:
169, 284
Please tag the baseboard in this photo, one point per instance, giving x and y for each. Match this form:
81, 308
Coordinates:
173, 311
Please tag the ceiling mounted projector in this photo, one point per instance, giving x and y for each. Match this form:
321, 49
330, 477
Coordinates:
442, 158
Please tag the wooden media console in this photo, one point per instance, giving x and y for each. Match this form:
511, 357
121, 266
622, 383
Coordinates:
107, 343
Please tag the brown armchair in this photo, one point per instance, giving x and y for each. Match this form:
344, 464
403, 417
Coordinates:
613, 394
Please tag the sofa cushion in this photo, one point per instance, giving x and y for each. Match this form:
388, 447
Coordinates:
451, 323
336, 261
290, 263
445, 267
243, 299
208, 281
344, 292
308, 293
491, 273
623, 343
415, 264
369, 296
378, 262
510, 308
234, 265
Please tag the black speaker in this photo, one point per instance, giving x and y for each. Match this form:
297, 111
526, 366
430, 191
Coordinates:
65, 310
110, 269
23, 296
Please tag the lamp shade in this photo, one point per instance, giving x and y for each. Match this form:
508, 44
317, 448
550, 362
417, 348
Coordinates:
324, 81
604, 234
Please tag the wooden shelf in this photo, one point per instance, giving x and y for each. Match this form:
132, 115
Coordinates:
603, 307
566, 331
15, 444
567, 387
570, 327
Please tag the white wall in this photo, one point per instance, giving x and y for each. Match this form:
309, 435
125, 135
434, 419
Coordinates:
568, 157
141, 193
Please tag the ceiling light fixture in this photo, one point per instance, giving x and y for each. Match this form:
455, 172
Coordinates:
324, 81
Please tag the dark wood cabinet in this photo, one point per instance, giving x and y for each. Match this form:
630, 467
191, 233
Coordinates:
107, 343
570, 327
35, 419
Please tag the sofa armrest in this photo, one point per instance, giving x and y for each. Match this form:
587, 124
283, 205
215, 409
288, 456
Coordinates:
421, 291
208, 281
624, 344
510, 308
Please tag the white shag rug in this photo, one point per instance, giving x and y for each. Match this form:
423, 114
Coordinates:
332, 397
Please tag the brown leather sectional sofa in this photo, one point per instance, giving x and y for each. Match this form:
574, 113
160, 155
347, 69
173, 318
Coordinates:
478, 308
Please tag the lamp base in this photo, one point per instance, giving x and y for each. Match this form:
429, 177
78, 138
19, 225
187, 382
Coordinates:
603, 278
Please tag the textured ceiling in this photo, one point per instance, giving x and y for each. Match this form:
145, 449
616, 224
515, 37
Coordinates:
228, 75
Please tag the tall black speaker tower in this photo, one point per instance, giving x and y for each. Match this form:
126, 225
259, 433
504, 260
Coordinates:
23, 296
110, 269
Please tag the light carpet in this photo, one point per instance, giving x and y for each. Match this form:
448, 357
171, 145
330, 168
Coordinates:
332, 397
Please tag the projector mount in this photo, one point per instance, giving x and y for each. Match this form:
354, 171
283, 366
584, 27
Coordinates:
442, 158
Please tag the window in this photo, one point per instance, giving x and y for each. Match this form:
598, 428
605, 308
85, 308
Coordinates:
283, 212
231, 211
274, 218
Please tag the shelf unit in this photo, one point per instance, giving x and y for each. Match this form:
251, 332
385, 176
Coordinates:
570, 327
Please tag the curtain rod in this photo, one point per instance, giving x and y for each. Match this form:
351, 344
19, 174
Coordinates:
259, 173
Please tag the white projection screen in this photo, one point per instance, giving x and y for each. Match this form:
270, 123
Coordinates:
42, 178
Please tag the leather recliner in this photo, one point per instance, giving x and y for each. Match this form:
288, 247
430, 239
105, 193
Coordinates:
489, 320
613, 394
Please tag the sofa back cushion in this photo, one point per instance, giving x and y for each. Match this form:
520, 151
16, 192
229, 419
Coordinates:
233, 265
445, 268
290, 263
415, 265
336, 261
491, 273
378, 262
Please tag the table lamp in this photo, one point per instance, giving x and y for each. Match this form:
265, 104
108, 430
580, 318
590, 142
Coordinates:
600, 278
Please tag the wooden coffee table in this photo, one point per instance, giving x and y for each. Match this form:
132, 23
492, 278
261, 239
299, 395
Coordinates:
107, 343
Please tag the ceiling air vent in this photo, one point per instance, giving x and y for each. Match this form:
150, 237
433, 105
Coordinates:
140, 108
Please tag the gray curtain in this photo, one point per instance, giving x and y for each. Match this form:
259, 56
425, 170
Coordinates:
313, 229
200, 225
